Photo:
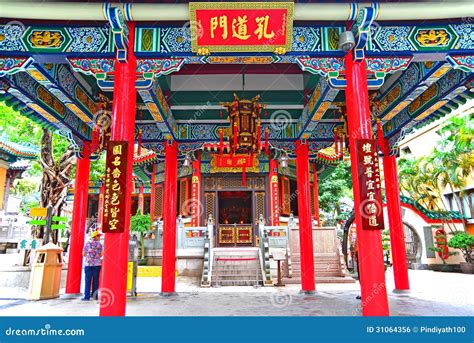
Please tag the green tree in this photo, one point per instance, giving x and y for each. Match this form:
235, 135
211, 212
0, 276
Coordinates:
141, 223
449, 165
56, 163
336, 186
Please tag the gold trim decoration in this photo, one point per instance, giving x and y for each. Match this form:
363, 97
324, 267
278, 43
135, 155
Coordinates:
226, 241
193, 6
216, 169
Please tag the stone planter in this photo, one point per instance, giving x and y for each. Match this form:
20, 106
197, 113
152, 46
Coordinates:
467, 268
447, 268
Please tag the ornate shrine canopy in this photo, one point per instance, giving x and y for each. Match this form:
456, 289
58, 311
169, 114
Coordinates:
51, 69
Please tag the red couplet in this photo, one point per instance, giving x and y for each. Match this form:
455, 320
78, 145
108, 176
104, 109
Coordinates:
169, 218
372, 270
196, 206
141, 199
304, 216
79, 216
274, 197
114, 267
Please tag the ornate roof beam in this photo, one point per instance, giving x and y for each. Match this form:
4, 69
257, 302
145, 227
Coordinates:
317, 105
159, 109
61, 82
37, 97
414, 81
432, 99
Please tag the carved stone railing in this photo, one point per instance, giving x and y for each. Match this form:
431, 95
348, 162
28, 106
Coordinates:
264, 253
208, 255
190, 237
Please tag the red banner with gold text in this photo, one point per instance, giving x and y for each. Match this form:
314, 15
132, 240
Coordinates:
115, 182
371, 206
241, 26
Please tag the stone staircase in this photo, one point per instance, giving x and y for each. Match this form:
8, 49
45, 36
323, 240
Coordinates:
236, 267
329, 264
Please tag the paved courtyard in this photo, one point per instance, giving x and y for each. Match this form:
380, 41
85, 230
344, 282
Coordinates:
432, 294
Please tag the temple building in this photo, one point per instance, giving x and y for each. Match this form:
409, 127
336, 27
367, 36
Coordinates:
13, 163
228, 114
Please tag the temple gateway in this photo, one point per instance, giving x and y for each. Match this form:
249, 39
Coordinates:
220, 118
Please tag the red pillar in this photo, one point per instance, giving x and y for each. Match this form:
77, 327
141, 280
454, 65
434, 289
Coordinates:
141, 198
79, 216
114, 266
169, 218
196, 205
304, 216
100, 211
315, 194
372, 271
394, 209
273, 190
152, 193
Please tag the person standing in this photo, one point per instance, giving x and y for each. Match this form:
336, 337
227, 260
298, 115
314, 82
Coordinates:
93, 252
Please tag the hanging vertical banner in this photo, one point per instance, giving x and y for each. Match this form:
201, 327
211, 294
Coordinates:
241, 26
115, 182
371, 206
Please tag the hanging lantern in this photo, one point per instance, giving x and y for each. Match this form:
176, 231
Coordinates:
244, 118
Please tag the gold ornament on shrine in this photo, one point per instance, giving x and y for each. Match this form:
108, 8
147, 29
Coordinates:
244, 116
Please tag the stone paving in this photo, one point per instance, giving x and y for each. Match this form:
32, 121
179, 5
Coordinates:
433, 294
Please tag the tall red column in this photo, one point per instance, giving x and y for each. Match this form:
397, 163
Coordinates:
169, 218
141, 198
304, 217
100, 211
114, 266
196, 205
372, 271
79, 217
152, 193
394, 209
315, 194
273, 190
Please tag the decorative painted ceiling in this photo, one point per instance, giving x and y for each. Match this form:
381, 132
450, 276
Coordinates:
417, 72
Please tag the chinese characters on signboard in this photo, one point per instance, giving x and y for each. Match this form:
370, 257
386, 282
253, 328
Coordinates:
115, 181
274, 199
369, 184
241, 26
234, 161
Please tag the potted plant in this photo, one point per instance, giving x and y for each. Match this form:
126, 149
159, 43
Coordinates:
465, 243
141, 223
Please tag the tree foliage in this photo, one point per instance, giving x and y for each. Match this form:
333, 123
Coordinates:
464, 242
141, 223
334, 188
449, 166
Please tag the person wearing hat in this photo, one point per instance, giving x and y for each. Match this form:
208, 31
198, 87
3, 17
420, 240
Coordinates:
93, 252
